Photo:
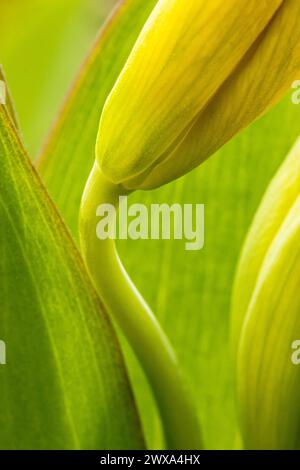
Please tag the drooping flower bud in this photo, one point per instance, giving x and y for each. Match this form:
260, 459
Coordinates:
258, 83
266, 316
183, 57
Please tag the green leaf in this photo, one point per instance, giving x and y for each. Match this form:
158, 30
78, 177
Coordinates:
189, 291
64, 384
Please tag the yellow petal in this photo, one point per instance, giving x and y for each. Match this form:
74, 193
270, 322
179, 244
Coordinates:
185, 52
260, 80
279, 198
268, 381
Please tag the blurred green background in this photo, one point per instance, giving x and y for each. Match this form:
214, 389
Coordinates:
42, 45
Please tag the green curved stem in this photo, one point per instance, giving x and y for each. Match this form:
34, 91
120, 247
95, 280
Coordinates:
125, 304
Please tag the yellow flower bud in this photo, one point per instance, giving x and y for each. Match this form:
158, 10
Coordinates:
266, 316
258, 83
183, 57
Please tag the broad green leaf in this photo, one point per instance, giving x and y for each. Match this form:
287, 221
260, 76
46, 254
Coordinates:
64, 384
189, 291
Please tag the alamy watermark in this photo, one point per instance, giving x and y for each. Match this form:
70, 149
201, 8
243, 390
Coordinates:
159, 221
2, 343
2, 92
295, 356
2, 353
